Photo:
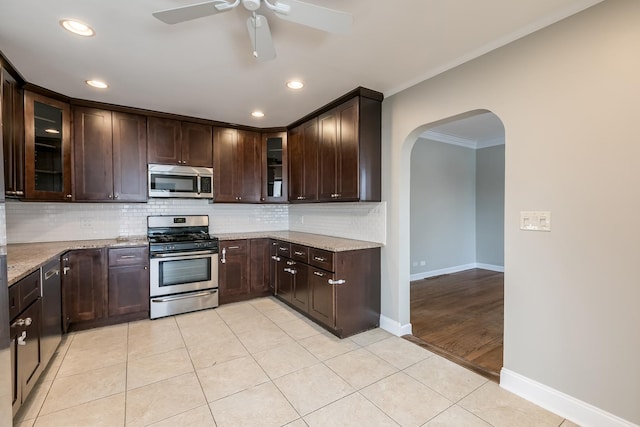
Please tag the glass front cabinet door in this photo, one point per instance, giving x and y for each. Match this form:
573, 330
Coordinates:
274, 173
47, 148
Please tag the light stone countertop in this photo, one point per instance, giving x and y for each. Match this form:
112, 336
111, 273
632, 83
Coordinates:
320, 241
23, 258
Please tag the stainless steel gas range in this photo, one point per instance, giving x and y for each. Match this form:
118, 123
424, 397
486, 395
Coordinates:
184, 264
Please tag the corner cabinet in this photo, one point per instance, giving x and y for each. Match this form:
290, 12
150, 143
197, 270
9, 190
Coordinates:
237, 166
172, 142
110, 152
336, 155
47, 125
244, 270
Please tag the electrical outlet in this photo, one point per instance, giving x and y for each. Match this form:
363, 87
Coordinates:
423, 262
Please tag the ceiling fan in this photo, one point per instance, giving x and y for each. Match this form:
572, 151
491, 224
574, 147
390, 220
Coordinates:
319, 17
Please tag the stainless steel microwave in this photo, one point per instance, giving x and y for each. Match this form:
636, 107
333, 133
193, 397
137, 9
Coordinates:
180, 181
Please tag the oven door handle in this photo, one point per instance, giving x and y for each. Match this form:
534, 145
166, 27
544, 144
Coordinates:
182, 254
179, 297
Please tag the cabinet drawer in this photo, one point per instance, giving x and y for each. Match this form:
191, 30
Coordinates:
300, 253
14, 301
128, 256
29, 289
321, 258
284, 249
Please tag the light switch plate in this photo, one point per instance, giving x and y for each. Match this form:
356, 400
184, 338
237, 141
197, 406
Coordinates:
535, 220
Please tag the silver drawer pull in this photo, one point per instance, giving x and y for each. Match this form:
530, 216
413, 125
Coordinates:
291, 263
233, 247
317, 273
319, 258
298, 253
275, 258
127, 256
337, 282
283, 249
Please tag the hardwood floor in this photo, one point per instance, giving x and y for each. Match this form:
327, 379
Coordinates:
461, 316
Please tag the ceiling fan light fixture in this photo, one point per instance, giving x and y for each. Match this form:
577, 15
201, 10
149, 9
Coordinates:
97, 84
257, 114
77, 27
295, 84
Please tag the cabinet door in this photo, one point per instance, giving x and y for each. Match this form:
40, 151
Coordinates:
321, 296
274, 168
29, 358
328, 155
12, 136
129, 157
233, 274
164, 141
303, 162
128, 290
347, 166
260, 263
284, 279
83, 285
299, 293
249, 166
47, 127
225, 141
93, 154
273, 265
197, 145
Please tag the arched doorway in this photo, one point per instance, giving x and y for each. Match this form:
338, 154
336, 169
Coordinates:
457, 240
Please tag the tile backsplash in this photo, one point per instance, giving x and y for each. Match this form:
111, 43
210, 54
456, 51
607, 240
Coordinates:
44, 222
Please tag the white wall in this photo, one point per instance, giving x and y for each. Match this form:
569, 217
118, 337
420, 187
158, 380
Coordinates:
569, 98
489, 207
443, 206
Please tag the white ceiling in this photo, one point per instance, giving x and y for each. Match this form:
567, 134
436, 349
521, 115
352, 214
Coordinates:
204, 68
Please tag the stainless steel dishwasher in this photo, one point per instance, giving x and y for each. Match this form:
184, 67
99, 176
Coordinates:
51, 310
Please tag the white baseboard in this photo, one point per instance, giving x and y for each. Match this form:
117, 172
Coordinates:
456, 269
394, 327
559, 403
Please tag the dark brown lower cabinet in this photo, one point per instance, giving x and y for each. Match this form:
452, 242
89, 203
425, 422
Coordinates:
244, 270
128, 288
104, 286
25, 331
339, 290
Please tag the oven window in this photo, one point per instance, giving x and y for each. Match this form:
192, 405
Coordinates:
185, 271
174, 183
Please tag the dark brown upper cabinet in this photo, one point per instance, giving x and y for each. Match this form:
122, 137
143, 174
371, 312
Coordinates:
110, 154
12, 121
336, 155
237, 166
47, 127
274, 168
303, 162
173, 142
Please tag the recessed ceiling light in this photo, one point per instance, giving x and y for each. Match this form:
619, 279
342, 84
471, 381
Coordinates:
257, 114
97, 83
77, 27
56, 131
295, 84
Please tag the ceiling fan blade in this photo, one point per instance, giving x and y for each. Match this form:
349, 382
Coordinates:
260, 36
194, 11
319, 17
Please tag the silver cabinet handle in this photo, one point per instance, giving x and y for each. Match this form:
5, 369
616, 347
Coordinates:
52, 272
291, 263
22, 339
233, 247
66, 270
298, 253
318, 273
337, 282
127, 256
68, 196
283, 249
276, 258
223, 260
319, 258
19, 322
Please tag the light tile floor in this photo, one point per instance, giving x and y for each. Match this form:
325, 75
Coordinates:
259, 363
